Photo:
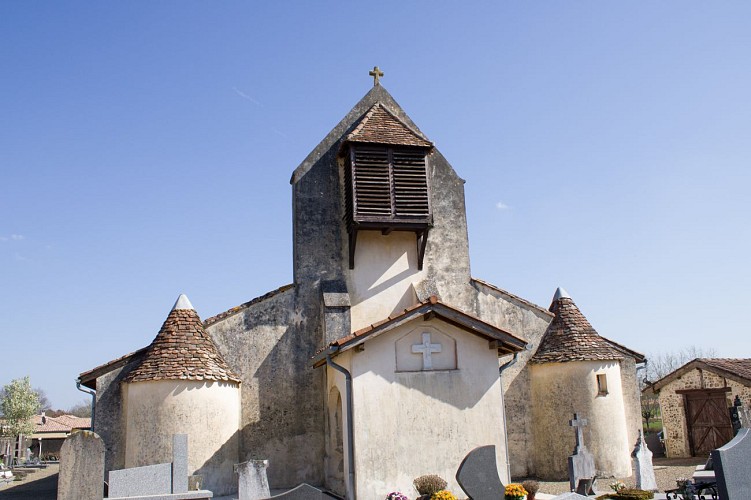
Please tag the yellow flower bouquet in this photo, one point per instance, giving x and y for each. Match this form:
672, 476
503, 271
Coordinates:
515, 491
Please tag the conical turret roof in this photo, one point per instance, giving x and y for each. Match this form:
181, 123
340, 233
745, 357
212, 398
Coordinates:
182, 350
570, 337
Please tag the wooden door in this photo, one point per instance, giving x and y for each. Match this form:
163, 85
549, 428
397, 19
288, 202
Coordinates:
708, 420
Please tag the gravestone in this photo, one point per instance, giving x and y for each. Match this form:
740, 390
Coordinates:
301, 492
253, 484
732, 465
645, 473
570, 496
739, 415
581, 465
81, 475
159, 481
478, 474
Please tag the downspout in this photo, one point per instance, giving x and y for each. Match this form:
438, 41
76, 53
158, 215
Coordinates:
93, 400
350, 423
505, 433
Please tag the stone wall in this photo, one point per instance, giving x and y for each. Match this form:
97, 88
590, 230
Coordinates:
561, 389
529, 322
207, 411
269, 344
110, 416
673, 409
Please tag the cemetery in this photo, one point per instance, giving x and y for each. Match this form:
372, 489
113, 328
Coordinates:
386, 370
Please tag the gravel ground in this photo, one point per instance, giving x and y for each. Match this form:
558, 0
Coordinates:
666, 472
38, 485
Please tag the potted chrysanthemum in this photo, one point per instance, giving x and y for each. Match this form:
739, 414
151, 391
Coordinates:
515, 491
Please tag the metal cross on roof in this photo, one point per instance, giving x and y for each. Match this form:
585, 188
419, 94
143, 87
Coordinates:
376, 74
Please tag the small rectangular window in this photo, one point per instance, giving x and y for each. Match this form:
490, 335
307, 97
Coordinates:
602, 384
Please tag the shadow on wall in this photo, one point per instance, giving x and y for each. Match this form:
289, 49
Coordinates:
217, 472
282, 395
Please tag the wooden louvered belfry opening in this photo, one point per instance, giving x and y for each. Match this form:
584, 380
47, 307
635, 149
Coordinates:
388, 190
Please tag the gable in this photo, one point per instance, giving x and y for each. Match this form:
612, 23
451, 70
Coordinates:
498, 340
738, 370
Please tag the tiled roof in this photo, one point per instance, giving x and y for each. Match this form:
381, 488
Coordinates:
63, 423
241, 307
381, 126
508, 342
738, 369
570, 337
182, 351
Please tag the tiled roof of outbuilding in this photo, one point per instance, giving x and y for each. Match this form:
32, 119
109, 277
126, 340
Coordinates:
182, 350
738, 369
381, 126
570, 337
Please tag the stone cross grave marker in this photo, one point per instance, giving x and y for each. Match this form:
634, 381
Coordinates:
81, 475
581, 465
478, 474
426, 349
645, 474
732, 466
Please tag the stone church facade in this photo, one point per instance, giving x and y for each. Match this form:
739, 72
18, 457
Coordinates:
384, 359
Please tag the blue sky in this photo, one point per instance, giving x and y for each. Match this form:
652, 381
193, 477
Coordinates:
146, 150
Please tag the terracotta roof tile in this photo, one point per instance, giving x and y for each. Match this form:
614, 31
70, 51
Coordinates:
570, 337
740, 367
182, 350
381, 126
63, 423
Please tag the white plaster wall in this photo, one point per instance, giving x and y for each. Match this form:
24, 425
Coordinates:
208, 412
381, 282
561, 389
412, 423
674, 412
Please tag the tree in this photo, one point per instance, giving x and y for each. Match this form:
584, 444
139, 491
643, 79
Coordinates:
663, 363
82, 409
20, 403
44, 402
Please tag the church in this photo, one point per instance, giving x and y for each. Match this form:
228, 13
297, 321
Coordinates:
384, 359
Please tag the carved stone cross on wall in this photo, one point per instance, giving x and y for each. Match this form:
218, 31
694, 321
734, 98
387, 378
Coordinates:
426, 349
578, 423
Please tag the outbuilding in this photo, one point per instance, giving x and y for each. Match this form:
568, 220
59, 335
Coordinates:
694, 401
